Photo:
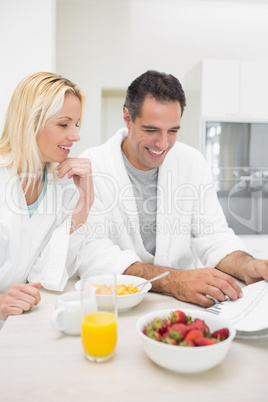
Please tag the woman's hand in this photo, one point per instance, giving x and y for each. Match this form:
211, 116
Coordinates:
19, 298
80, 170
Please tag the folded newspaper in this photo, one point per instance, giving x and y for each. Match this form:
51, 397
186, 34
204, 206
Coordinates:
249, 314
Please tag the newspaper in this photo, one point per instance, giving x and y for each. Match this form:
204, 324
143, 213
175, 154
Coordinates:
249, 314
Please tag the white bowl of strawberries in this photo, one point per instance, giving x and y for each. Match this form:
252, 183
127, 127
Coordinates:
185, 341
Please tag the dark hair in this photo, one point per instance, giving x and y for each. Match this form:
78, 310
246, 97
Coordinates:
163, 87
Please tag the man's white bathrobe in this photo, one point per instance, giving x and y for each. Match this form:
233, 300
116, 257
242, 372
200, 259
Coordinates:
35, 249
189, 217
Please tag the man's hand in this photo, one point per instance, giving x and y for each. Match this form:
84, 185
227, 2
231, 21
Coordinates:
245, 267
190, 285
255, 270
194, 285
19, 298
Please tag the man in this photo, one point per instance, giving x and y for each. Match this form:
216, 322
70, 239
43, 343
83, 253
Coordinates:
155, 204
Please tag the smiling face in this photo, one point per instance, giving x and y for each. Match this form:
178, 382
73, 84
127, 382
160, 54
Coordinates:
60, 132
153, 133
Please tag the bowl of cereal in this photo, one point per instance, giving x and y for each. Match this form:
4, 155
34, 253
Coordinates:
128, 295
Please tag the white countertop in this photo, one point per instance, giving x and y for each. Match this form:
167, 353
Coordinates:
39, 364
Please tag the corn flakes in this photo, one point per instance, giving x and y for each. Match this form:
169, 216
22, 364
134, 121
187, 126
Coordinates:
120, 289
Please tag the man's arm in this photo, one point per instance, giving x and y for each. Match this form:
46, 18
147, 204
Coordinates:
193, 285
189, 285
245, 267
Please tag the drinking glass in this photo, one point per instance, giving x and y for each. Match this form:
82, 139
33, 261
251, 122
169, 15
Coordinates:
99, 328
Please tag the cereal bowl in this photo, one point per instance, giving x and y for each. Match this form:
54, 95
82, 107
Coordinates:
182, 359
124, 302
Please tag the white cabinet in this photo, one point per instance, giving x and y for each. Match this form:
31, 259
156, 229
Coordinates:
254, 90
219, 88
223, 90
234, 89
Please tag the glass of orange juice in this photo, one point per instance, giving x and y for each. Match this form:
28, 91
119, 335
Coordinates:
99, 328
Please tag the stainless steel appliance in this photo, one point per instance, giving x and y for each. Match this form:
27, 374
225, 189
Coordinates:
238, 156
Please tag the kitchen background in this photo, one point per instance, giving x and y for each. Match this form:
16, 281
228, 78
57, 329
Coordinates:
217, 48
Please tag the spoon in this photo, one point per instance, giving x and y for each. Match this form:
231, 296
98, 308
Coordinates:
153, 279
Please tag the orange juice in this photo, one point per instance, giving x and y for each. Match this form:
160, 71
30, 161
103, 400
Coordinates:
99, 334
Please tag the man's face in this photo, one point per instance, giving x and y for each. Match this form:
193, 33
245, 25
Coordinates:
153, 133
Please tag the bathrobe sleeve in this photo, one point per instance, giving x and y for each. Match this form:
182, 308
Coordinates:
49, 266
96, 249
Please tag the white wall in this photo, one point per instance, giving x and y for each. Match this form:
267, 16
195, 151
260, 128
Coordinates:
107, 44
27, 43
104, 45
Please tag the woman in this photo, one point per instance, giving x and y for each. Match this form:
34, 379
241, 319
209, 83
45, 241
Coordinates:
41, 204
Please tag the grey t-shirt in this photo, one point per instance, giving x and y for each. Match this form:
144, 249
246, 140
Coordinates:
144, 184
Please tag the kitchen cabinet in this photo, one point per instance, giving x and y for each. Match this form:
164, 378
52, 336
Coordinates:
234, 89
223, 90
253, 90
219, 88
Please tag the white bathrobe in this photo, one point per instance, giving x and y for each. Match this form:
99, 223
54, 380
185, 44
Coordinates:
189, 217
35, 249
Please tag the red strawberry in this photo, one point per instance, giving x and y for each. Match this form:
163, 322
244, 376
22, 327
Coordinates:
190, 326
200, 325
187, 343
221, 334
179, 327
154, 335
177, 331
164, 328
169, 341
193, 334
204, 341
165, 334
178, 316
168, 321
159, 325
147, 329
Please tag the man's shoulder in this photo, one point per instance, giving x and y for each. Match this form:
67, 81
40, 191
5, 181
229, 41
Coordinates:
106, 156
113, 143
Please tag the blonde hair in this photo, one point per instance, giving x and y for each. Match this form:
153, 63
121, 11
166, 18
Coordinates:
36, 99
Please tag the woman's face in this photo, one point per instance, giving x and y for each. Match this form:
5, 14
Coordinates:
60, 132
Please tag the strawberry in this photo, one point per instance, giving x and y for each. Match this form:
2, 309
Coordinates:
190, 327
178, 316
204, 341
147, 329
154, 335
221, 334
159, 325
169, 323
169, 341
179, 327
200, 325
187, 343
173, 333
193, 334
177, 331
163, 330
